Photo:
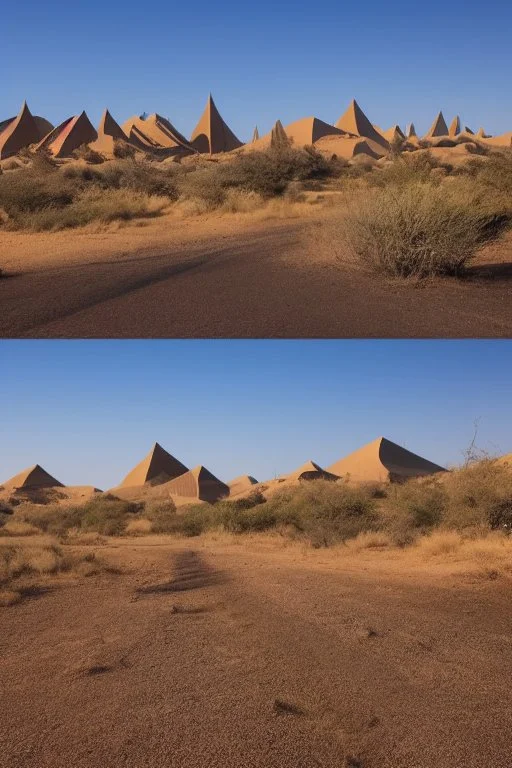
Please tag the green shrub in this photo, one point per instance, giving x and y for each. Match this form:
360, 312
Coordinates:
162, 516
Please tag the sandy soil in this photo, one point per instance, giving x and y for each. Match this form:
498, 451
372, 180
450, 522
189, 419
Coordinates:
233, 276
213, 654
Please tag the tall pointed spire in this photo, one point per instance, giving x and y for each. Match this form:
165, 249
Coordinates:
355, 122
211, 134
438, 127
18, 133
256, 134
278, 137
157, 466
454, 128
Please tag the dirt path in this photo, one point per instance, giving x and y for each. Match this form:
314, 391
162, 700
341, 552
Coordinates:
229, 658
234, 279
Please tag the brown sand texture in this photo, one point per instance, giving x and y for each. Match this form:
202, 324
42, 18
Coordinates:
33, 477
198, 484
157, 467
242, 484
438, 127
354, 122
19, 132
311, 471
212, 135
70, 135
383, 461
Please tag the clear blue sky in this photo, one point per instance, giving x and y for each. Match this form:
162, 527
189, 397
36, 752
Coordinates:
257, 407
262, 60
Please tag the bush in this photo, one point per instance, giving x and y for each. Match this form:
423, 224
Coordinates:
418, 230
46, 197
161, 515
412, 508
104, 515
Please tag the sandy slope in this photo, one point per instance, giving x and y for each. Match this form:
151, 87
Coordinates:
232, 276
218, 655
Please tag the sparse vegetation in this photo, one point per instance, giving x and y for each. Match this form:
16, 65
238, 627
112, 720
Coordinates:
25, 568
416, 230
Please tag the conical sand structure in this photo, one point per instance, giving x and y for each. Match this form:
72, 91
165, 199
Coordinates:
241, 484
109, 127
156, 468
155, 131
438, 127
311, 471
278, 137
108, 133
468, 130
211, 135
411, 131
394, 133
454, 128
383, 461
481, 134
256, 134
69, 135
18, 133
199, 484
355, 122
33, 477
308, 130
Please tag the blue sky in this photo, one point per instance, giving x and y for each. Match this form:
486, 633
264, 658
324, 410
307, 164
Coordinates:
264, 60
90, 410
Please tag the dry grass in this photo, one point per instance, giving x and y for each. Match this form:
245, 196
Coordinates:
18, 528
418, 230
28, 567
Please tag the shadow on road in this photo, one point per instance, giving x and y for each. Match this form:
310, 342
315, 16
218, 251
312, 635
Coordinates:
189, 572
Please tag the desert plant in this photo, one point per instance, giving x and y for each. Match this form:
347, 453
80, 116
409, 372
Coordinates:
418, 230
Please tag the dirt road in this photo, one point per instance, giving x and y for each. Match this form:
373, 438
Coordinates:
264, 279
232, 658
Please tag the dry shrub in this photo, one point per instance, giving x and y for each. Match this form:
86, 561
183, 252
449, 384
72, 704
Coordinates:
369, 540
412, 508
479, 496
18, 528
103, 514
139, 527
88, 155
24, 567
418, 230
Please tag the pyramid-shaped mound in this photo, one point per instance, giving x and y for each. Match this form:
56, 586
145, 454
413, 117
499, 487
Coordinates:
156, 468
383, 461
481, 134
311, 471
211, 135
308, 130
200, 484
33, 477
241, 484
109, 127
438, 127
69, 135
18, 133
355, 122
109, 132
278, 136
256, 134
454, 128
411, 131
394, 133
155, 131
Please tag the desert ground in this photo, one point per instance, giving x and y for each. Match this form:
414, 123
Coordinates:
235, 275
224, 651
